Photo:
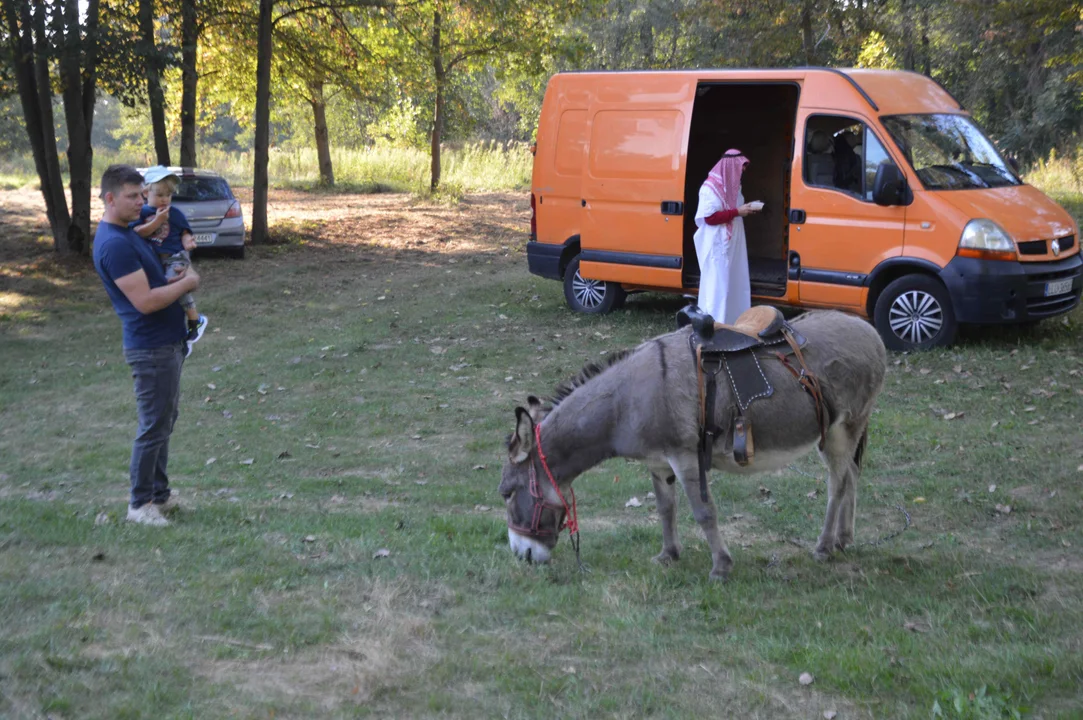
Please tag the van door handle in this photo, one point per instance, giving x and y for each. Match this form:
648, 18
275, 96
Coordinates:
797, 217
584, 202
672, 207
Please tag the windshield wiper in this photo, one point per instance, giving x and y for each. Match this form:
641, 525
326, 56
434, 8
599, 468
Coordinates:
1002, 172
968, 174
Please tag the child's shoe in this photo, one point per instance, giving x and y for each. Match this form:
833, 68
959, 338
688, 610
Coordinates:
195, 332
196, 329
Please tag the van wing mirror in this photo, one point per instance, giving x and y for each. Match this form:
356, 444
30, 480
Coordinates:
889, 187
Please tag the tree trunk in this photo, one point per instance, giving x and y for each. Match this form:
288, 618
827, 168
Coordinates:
323, 143
21, 44
53, 183
806, 32
438, 116
646, 40
909, 62
80, 151
90, 63
152, 66
263, 118
926, 59
189, 82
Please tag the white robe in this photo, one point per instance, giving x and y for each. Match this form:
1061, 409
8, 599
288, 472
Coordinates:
724, 288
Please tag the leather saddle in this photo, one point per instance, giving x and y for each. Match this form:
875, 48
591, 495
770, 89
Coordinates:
738, 349
735, 347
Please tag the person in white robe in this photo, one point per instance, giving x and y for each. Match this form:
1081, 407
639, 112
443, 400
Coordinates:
724, 288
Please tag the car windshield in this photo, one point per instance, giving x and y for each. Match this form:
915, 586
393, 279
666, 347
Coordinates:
949, 152
202, 189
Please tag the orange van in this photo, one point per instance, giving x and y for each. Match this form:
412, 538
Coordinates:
882, 197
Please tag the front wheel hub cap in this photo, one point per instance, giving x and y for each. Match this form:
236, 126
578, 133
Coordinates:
916, 317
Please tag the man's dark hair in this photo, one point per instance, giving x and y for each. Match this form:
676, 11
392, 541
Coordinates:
117, 176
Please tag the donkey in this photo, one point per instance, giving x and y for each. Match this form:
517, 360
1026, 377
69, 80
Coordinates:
644, 403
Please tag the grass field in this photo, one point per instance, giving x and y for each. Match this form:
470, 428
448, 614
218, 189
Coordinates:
470, 168
342, 550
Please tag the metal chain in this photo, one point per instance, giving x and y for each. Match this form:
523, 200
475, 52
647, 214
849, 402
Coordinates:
895, 534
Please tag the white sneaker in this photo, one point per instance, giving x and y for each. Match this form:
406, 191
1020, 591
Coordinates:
170, 505
148, 514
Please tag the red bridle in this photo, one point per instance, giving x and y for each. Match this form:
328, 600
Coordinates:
571, 518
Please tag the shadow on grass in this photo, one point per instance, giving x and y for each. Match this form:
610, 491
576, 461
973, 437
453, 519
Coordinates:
311, 228
314, 226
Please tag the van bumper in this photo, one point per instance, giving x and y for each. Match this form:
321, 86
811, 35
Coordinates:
996, 292
543, 259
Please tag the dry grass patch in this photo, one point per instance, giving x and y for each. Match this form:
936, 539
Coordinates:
390, 638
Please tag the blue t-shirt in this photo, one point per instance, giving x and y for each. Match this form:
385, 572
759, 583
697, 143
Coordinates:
118, 251
167, 238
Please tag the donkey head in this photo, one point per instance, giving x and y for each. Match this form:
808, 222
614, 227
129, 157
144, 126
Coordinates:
535, 511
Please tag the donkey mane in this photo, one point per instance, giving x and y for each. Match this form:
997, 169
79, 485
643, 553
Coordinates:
590, 370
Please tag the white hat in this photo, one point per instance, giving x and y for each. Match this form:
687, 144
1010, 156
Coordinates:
157, 173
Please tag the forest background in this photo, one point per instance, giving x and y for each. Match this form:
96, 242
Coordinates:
443, 95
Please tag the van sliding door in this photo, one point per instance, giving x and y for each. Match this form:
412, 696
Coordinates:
633, 195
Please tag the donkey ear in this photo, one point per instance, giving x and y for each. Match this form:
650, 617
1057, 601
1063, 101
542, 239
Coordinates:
522, 442
535, 408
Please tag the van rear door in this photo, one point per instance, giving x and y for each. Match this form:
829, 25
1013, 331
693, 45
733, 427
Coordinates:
633, 192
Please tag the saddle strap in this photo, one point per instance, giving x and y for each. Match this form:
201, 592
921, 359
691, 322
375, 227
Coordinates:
808, 381
708, 389
743, 450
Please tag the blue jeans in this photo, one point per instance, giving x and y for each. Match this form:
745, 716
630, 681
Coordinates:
157, 374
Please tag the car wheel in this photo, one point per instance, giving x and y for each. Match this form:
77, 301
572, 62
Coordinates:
914, 312
590, 296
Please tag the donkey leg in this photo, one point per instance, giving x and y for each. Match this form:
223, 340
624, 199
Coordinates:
837, 456
707, 517
844, 536
848, 509
666, 496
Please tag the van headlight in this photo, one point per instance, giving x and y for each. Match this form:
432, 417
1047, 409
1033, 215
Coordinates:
985, 239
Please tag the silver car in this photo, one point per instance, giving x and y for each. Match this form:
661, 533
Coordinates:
214, 214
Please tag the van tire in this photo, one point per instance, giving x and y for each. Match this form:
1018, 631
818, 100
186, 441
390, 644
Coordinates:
920, 309
595, 297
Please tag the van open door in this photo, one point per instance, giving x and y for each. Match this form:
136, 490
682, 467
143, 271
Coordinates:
633, 193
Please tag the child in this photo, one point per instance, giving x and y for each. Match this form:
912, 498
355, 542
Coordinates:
170, 235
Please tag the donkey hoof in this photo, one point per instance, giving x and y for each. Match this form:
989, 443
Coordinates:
841, 543
721, 576
821, 554
666, 557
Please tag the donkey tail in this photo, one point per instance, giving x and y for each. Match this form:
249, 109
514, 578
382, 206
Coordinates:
862, 444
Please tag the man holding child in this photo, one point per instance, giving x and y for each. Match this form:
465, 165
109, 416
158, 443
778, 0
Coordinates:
155, 335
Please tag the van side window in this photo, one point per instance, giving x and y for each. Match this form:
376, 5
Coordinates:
841, 153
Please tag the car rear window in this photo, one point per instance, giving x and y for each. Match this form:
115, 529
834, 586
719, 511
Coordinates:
202, 189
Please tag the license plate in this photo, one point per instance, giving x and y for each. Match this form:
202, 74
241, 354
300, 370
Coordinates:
1058, 287
208, 238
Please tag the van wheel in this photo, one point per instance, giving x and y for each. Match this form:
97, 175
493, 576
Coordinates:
914, 312
590, 296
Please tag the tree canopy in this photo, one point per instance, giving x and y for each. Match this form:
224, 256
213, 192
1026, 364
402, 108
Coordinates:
425, 73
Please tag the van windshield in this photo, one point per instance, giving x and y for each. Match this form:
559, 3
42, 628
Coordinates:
949, 152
